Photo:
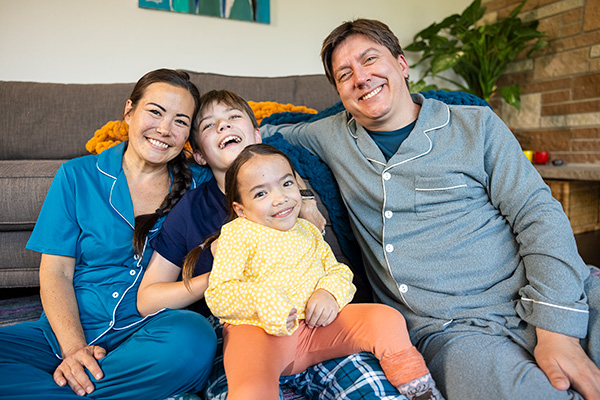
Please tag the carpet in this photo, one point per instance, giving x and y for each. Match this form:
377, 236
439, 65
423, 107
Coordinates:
20, 309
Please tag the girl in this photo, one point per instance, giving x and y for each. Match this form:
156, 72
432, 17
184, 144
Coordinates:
276, 285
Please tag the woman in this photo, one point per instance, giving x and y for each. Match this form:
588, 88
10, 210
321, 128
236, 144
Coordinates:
92, 232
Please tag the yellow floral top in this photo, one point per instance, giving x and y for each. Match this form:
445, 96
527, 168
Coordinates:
259, 274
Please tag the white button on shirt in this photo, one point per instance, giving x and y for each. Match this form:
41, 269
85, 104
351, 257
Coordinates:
115, 295
389, 248
389, 214
387, 176
132, 272
403, 288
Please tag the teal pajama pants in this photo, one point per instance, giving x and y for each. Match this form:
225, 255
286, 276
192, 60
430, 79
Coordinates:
168, 354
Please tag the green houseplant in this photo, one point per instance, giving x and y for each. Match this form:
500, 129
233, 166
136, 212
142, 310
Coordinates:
477, 52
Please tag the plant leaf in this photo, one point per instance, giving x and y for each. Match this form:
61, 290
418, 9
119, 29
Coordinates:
479, 53
512, 95
443, 62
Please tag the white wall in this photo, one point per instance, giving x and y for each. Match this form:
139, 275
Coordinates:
81, 41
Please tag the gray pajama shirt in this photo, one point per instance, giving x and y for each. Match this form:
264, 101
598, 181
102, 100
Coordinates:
461, 235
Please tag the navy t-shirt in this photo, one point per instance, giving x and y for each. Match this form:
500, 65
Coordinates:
389, 142
198, 214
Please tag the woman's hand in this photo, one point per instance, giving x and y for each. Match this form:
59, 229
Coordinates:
321, 309
72, 369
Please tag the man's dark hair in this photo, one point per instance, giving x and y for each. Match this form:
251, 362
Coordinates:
375, 30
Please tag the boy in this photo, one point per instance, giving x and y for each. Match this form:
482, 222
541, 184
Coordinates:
227, 125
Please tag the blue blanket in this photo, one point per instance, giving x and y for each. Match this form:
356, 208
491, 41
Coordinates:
319, 175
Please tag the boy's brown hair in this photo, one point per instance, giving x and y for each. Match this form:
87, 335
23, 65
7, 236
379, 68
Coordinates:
228, 98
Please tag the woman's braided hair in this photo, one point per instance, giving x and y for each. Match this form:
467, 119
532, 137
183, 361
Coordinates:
178, 167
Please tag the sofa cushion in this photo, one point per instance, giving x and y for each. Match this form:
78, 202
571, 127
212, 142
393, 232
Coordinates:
24, 186
53, 120
20, 267
313, 91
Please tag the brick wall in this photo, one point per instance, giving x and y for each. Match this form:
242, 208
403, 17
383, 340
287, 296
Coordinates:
560, 102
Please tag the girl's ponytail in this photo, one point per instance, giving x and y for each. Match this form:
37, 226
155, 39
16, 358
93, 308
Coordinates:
187, 272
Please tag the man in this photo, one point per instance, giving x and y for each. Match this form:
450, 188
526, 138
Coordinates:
459, 230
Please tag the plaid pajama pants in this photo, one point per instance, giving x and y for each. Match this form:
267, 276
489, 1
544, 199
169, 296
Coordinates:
358, 376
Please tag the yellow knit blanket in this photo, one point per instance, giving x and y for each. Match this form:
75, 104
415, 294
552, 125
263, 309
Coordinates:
114, 132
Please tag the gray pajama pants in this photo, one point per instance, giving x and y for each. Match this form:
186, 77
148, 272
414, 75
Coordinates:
478, 361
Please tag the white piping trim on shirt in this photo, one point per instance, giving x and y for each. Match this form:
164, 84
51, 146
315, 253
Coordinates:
376, 162
442, 188
554, 305
349, 130
111, 192
114, 208
114, 317
105, 173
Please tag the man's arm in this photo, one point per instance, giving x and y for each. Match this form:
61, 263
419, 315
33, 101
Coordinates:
555, 272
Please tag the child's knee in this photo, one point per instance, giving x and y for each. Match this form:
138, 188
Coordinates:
383, 315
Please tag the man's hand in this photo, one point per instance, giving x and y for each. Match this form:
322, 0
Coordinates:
311, 213
321, 309
72, 369
565, 364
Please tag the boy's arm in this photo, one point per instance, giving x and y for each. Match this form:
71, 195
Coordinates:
309, 210
160, 287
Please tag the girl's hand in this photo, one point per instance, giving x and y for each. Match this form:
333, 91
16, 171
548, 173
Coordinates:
291, 319
321, 309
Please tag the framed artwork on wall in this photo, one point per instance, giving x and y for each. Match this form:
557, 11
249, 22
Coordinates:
245, 10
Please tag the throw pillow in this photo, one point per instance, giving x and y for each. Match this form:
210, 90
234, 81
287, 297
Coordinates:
114, 132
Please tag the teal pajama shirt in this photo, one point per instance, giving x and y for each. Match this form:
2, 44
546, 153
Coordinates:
88, 215
461, 235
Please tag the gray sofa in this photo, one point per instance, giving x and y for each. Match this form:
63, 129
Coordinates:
44, 124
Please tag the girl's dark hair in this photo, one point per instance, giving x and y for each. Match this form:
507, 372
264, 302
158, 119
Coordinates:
178, 167
375, 30
232, 194
228, 98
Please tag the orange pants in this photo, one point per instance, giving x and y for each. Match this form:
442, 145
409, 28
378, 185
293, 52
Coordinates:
254, 360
